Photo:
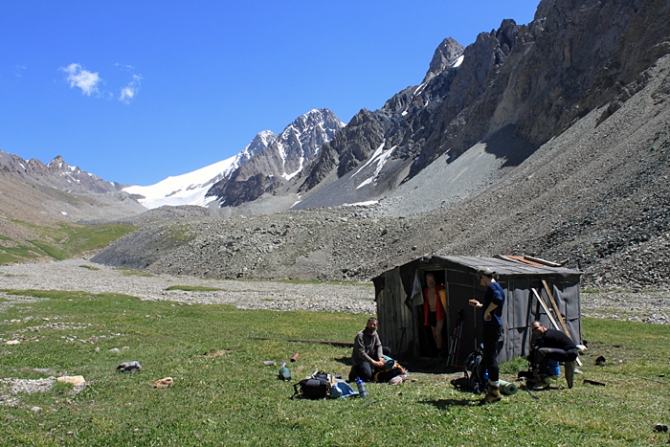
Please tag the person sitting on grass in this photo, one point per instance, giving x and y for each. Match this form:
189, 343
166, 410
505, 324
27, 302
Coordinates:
367, 354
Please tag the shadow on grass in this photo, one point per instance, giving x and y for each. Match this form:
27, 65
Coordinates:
344, 360
429, 365
443, 404
533, 391
416, 365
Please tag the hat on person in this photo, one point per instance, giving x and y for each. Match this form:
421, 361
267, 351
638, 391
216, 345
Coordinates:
485, 272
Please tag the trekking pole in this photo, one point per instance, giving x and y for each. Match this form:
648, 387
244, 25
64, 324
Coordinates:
458, 345
453, 342
460, 335
534, 396
451, 347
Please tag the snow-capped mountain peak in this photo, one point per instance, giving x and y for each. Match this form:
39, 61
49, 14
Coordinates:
275, 158
191, 188
294, 148
185, 189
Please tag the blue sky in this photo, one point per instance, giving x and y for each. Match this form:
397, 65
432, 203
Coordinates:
136, 91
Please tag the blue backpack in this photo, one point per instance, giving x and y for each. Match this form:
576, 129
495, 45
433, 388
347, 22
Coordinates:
341, 389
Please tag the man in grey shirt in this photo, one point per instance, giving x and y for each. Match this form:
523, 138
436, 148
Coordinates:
368, 352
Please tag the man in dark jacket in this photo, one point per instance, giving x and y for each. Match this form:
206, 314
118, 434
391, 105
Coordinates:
494, 299
554, 345
368, 352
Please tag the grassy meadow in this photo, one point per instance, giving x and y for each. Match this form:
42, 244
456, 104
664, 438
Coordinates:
224, 395
64, 240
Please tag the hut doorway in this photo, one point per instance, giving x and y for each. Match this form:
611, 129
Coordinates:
428, 340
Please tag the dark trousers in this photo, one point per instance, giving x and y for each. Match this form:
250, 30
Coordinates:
559, 355
493, 343
365, 371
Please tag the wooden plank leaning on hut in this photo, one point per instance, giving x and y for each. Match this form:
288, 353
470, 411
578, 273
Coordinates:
551, 317
558, 312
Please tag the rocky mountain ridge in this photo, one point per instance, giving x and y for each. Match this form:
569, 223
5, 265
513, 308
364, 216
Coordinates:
31, 191
533, 80
380, 146
55, 174
35, 197
590, 199
529, 82
284, 158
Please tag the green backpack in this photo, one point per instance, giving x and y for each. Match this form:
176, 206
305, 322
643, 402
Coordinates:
284, 373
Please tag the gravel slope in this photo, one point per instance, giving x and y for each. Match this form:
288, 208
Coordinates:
80, 274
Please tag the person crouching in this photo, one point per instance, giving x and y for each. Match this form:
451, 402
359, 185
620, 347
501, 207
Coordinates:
368, 353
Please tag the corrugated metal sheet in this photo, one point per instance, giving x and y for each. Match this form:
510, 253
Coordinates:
395, 318
505, 267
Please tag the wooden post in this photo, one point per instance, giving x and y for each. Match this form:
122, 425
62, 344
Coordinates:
546, 309
296, 340
558, 312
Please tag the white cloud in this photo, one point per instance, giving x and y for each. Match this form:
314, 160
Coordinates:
129, 91
78, 77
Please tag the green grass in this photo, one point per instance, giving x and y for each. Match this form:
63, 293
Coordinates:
233, 399
597, 291
194, 288
89, 267
60, 242
590, 291
13, 251
132, 272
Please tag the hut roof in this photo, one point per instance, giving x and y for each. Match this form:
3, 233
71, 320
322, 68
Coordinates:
508, 265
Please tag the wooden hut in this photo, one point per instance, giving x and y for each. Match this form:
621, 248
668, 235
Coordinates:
535, 290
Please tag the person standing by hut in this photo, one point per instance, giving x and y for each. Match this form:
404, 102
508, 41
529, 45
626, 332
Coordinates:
434, 305
494, 299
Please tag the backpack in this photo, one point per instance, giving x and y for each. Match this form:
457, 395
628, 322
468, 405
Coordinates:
341, 389
284, 373
316, 386
391, 370
473, 373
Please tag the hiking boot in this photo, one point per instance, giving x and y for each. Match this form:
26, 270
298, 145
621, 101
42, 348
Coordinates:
492, 395
541, 383
570, 373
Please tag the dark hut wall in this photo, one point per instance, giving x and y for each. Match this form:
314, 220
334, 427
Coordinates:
395, 318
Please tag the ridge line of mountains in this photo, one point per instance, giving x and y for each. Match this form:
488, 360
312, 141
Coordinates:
452, 157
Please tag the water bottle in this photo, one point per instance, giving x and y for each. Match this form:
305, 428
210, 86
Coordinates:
361, 387
486, 374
